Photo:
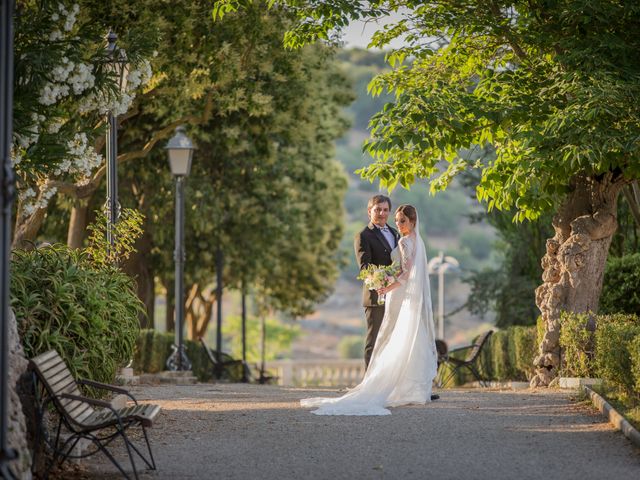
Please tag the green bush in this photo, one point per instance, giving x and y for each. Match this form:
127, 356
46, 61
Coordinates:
621, 287
525, 350
576, 343
634, 350
614, 340
88, 314
501, 359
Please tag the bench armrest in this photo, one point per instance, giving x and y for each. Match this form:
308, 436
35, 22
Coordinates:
460, 349
90, 401
105, 386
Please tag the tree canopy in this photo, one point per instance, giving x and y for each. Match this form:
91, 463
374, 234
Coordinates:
265, 188
551, 85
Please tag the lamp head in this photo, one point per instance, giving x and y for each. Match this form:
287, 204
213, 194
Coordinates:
118, 61
180, 149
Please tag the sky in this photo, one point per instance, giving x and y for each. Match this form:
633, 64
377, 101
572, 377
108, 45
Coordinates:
358, 34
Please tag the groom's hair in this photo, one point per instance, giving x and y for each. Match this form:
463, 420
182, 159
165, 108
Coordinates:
376, 199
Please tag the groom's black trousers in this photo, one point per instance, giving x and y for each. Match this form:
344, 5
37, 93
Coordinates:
374, 317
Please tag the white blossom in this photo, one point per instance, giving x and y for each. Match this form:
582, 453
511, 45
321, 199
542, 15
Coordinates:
16, 156
55, 35
140, 75
61, 72
81, 78
55, 125
81, 159
52, 92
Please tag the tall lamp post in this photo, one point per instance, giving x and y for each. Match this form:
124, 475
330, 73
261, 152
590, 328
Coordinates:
441, 265
6, 203
119, 68
180, 150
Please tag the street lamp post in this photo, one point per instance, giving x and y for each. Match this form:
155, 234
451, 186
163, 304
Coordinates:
118, 66
6, 204
180, 150
440, 265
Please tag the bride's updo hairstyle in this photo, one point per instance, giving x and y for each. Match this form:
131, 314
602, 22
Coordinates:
408, 211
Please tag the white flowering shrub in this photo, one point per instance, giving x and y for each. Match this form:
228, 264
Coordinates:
64, 88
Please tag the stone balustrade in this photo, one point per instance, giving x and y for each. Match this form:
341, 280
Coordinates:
317, 373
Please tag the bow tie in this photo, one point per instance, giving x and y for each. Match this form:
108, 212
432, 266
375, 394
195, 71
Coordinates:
384, 229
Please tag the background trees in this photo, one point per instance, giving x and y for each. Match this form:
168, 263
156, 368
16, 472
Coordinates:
264, 190
550, 86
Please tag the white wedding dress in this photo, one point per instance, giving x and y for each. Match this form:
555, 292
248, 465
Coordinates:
404, 360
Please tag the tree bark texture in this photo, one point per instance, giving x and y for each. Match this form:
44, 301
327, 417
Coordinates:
198, 311
170, 320
27, 228
77, 230
574, 262
140, 268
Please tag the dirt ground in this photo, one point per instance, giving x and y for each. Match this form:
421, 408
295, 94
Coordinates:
237, 431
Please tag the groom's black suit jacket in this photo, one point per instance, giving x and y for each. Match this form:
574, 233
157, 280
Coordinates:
372, 248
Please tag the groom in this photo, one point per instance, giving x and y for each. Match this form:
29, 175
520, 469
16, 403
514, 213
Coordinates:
373, 245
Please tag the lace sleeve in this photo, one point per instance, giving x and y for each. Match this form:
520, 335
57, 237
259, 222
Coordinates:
407, 253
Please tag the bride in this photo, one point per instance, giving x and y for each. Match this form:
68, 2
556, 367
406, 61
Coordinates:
404, 360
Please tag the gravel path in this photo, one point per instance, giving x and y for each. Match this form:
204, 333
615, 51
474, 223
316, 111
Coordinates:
235, 431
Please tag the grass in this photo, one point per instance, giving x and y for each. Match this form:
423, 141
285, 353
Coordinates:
627, 405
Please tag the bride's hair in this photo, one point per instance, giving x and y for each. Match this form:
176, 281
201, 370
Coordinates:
408, 211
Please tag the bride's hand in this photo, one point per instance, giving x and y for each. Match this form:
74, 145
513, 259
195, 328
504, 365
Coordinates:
384, 290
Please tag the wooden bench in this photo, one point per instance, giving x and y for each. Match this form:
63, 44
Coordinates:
84, 417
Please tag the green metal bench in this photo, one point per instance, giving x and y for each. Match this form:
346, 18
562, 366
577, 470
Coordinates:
470, 362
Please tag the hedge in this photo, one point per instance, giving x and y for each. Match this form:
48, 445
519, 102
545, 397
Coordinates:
621, 286
610, 351
153, 348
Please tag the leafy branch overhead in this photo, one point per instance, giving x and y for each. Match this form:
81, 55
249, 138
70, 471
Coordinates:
554, 91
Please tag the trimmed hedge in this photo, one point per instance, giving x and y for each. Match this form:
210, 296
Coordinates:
577, 344
611, 352
153, 348
613, 346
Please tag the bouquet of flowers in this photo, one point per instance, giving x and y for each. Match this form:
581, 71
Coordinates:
379, 276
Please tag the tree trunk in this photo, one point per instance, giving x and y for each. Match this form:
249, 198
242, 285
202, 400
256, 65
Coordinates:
199, 307
170, 320
574, 262
77, 230
27, 229
139, 267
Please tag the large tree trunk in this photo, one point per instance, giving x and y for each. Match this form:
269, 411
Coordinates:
574, 263
77, 230
139, 267
27, 228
